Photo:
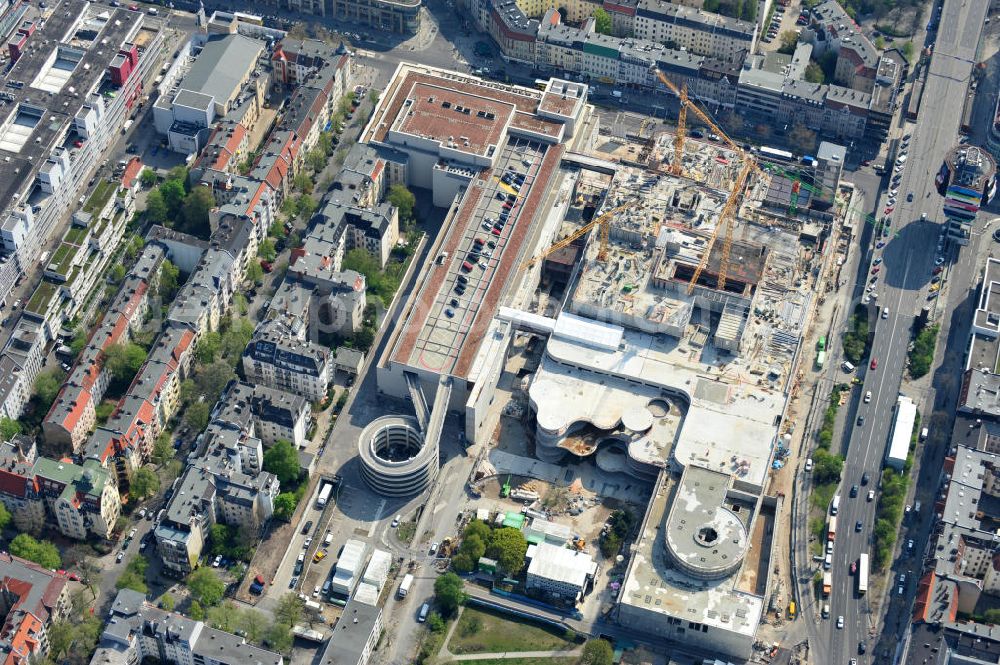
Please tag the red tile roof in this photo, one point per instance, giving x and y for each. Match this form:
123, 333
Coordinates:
132, 171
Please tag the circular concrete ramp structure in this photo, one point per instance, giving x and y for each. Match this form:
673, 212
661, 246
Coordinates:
394, 458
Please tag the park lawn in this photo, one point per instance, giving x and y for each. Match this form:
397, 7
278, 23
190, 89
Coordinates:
561, 660
498, 634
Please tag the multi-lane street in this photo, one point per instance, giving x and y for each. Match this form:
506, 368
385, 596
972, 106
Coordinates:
906, 270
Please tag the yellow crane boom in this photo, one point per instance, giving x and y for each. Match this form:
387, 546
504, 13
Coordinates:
603, 220
678, 166
725, 223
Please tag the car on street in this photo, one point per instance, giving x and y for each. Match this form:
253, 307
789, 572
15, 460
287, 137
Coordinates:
871, 495
449, 312
434, 548
909, 545
862, 648
316, 591
395, 522
937, 270
307, 542
909, 197
876, 269
854, 567
809, 464
868, 396
307, 527
874, 363
854, 491
861, 421
292, 583
865, 478
858, 526
885, 312
840, 621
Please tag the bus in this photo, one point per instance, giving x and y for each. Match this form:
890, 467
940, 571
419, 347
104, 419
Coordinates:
863, 573
324, 494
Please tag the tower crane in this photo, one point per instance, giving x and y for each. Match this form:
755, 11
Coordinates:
604, 221
677, 168
729, 210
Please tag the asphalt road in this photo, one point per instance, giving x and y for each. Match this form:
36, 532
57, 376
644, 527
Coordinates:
907, 262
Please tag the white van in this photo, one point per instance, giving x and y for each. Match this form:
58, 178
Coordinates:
923, 434
835, 504
828, 561
847, 367
826, 610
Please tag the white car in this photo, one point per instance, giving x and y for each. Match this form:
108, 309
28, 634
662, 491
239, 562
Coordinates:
938, 261
871, 495
308, 541
840, 621
316, 591
121, 555
809, 464
131, 534
395, 522
868, 396
434, 548
885, 312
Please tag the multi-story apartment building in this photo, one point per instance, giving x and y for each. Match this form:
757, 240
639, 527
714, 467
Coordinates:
33, 598
225, 485
18, 491
268, 414
72, 415
91, 64
83, 499
279, 359
694, 30
831, 28
374, 229
138, 631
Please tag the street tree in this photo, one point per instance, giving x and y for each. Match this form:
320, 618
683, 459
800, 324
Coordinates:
597, 652
143, 483
449, 593
288, 611
206, 587
283, 461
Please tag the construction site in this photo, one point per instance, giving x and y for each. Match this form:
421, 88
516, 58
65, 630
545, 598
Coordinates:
676, 296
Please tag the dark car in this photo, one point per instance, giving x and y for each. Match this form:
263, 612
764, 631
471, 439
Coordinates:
858, 526
862, 648
854, 491
865, 478
307, 527
454, 302
861, 421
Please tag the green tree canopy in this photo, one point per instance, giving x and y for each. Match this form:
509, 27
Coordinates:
449, 593
208, 347
124, 361
789, 40
143, 483
283, 461
279, 638
173, 195
134, 575
284, 506
167, 602
403, 199
507, 547
147, 177
169, 280
41, 552
196, 416
266, 250
826, 466
602, 21
47, 386
814, 73
194, 212
211, 380
289, 609
157, 211
163, 449
9, 428
206, 587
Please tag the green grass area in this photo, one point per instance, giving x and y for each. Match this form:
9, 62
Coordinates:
485, 632
561, 660
76, 235
62, 260
102, 194
822, 495
41, 297
406, 531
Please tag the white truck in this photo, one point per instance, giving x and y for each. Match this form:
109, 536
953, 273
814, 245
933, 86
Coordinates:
404, 586
835, 504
